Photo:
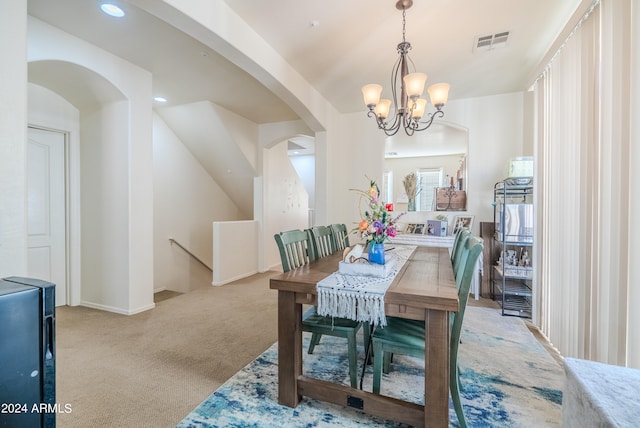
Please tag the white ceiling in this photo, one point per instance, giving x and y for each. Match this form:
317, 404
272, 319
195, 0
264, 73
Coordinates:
353, 43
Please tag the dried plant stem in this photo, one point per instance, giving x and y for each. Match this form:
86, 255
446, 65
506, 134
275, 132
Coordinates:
410, 183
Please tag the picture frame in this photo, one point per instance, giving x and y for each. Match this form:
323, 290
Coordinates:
462, 221
419, 229
410, 228
430, 228
437, 227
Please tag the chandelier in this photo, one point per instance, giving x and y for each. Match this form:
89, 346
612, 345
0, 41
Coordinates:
407, 89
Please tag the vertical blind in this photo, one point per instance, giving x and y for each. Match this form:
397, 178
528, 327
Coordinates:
587, 296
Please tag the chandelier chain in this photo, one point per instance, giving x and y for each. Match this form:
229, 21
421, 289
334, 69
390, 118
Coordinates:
404, 24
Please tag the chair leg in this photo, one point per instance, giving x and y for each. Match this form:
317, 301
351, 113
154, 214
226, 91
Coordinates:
454, 386
366, 329
386, 362
377, 366
353, 359
315, 339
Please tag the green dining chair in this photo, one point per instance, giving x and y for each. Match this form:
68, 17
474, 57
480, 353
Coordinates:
322, 241
403, 336
297, 249
294, 249
458, 246
340, 236
456, 240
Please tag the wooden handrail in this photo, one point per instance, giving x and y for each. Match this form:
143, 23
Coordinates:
173, 241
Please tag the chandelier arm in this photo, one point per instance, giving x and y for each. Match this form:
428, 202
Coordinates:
409, 127
397, 68
393, 128
389, 130
427, 123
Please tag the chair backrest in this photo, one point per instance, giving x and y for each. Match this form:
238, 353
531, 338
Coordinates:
458, 246
295, 249
456, 240
470, 254
340, 236
322, 241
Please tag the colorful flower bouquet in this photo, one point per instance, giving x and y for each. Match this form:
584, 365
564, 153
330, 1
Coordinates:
377, 224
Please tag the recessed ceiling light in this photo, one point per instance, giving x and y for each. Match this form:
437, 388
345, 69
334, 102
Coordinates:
112, 10
160, 99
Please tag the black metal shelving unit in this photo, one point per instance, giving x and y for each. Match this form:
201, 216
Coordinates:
512, 274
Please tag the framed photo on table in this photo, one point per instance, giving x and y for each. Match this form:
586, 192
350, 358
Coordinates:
419, 229
462, 221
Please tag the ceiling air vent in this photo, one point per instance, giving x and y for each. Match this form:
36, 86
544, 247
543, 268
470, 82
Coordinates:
492, 41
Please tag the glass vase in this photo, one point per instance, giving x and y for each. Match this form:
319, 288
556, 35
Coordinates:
411, 206
376, 253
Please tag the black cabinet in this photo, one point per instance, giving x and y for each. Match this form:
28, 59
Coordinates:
27, 353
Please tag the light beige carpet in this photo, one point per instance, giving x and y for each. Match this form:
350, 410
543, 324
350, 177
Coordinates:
153, 368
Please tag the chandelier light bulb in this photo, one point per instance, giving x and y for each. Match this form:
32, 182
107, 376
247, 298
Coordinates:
382, 109
414, 84
439, 93
371, 94
418, 108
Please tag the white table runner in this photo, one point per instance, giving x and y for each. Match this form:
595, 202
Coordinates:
360, 298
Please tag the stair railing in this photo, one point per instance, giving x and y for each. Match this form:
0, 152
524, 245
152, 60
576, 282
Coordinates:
173, 241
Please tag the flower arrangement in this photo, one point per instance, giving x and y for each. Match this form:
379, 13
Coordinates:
377, 224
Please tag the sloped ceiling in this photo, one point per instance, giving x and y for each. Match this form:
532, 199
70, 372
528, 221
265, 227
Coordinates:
201, 128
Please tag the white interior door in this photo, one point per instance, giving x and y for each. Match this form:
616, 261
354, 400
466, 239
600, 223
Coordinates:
46, 224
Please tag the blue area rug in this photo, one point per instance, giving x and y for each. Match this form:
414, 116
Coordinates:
507, 380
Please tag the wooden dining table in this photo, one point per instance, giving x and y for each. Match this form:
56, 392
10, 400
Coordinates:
423, 289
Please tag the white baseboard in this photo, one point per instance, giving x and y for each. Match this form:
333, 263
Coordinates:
228, 280
116, 310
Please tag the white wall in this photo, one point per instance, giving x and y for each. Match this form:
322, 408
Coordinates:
186, 202
105, 207
495, 126
357, 154
285, 200
305, 166
13, 136
235, 252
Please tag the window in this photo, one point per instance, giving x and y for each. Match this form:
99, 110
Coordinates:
387, 187
428, 179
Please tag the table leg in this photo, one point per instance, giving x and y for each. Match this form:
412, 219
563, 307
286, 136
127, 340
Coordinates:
436, 369
289, 348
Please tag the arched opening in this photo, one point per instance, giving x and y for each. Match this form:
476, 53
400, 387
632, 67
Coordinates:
94, 115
